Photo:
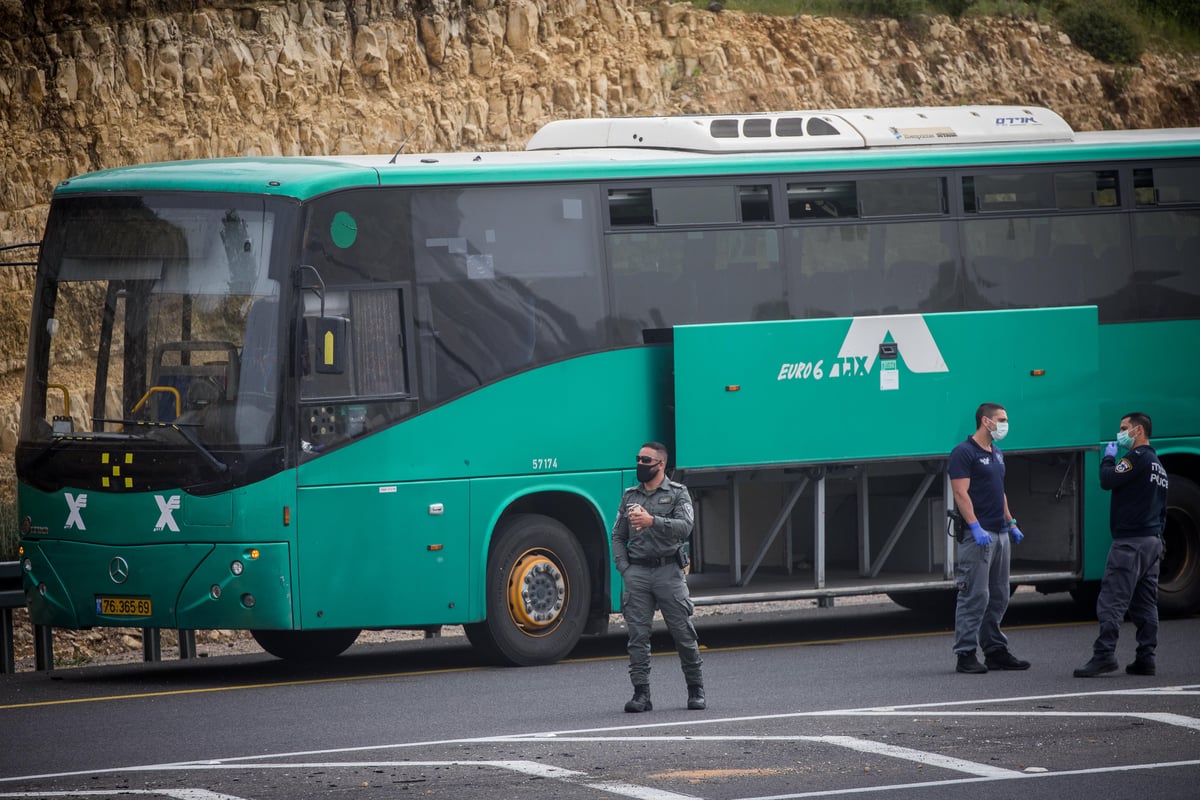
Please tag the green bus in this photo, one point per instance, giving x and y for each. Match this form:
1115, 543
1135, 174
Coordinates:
310, 396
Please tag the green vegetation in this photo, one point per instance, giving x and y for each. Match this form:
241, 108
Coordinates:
1115, 31
1108, 29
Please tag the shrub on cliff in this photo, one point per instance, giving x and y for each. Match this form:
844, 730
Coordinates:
893, 9
955, 8
1108, 29
1183, 13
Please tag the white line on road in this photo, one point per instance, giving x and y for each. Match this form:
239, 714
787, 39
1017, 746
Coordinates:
919, 756
531, 768
941, 784
849, 742
1168, 719
175, 794
1171, 719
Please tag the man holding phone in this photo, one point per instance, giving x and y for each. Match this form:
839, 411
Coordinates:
653, 522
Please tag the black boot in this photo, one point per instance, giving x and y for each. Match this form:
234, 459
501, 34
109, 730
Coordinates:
641, 699
696, 697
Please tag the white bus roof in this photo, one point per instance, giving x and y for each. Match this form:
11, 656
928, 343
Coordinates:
810, 130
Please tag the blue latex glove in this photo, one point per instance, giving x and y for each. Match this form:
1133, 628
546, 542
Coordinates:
980, 535
1110, 450
1015, 534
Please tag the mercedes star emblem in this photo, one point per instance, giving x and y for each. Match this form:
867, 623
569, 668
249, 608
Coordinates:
118, 570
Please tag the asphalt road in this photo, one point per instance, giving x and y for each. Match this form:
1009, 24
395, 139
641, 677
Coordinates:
809, 703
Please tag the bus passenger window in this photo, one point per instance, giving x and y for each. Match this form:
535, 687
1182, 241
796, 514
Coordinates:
695, 205
808, 201
1009, 192
756, 203
895, 197
630, 207
1167, 185
1086, 189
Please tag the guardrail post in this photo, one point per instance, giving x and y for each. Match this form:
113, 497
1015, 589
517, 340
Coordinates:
8, 661
43, 648
187, 644
11, 596
151, 644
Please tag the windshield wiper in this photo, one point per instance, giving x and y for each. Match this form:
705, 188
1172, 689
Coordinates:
184, 430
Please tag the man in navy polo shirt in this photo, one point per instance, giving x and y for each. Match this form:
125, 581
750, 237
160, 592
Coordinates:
977, 480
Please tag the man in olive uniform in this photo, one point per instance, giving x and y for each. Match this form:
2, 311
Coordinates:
653, 522
1137, 516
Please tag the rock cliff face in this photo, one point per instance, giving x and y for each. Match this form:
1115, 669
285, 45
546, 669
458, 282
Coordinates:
102, 83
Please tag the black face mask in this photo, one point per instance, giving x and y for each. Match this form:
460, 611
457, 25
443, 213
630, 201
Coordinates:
645, 472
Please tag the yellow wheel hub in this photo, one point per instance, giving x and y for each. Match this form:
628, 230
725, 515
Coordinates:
537, 591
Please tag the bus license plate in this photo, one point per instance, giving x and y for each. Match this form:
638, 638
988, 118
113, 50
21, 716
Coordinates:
124, 606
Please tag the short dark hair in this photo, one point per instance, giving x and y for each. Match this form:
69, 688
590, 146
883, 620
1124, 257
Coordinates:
1138, 418
659, 448
986, 410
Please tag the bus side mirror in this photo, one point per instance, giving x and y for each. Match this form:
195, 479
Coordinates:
331, 345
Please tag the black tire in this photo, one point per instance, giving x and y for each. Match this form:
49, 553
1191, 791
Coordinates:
1179, 575
929, 602
306, 645
537, 593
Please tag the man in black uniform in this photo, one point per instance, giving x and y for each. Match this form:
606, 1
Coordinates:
1137, 516
653, 522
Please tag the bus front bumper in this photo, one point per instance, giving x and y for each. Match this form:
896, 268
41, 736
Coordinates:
80, 585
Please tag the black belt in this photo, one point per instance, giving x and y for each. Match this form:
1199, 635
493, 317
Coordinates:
652, 562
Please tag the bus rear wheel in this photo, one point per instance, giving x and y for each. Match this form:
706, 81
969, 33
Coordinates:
537, 593
306, 645
1179, 573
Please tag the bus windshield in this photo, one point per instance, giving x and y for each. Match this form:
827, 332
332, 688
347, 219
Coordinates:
157, 320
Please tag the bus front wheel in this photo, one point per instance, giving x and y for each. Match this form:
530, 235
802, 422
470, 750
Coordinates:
305, 645
1179, 573
537, 593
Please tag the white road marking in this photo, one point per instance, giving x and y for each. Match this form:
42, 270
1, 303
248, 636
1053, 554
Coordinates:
960, 781
849, 742
177, 794
981, 772
531, 768
919, 756
640, 792
1173, 719
1186, 689
1168, 719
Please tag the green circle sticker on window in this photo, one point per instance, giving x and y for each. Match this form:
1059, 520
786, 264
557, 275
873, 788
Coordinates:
343, 230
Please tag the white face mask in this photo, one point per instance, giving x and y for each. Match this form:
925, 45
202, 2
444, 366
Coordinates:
1000, 431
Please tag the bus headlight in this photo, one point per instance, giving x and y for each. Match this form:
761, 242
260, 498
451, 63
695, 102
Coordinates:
236, 568
215, 592
248, 600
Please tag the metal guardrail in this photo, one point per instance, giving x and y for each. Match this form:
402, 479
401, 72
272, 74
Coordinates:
12, 596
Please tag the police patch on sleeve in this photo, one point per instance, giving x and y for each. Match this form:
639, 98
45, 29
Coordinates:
1123, 465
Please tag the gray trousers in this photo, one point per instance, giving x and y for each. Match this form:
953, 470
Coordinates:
665, 588
1130, 584
982, 577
